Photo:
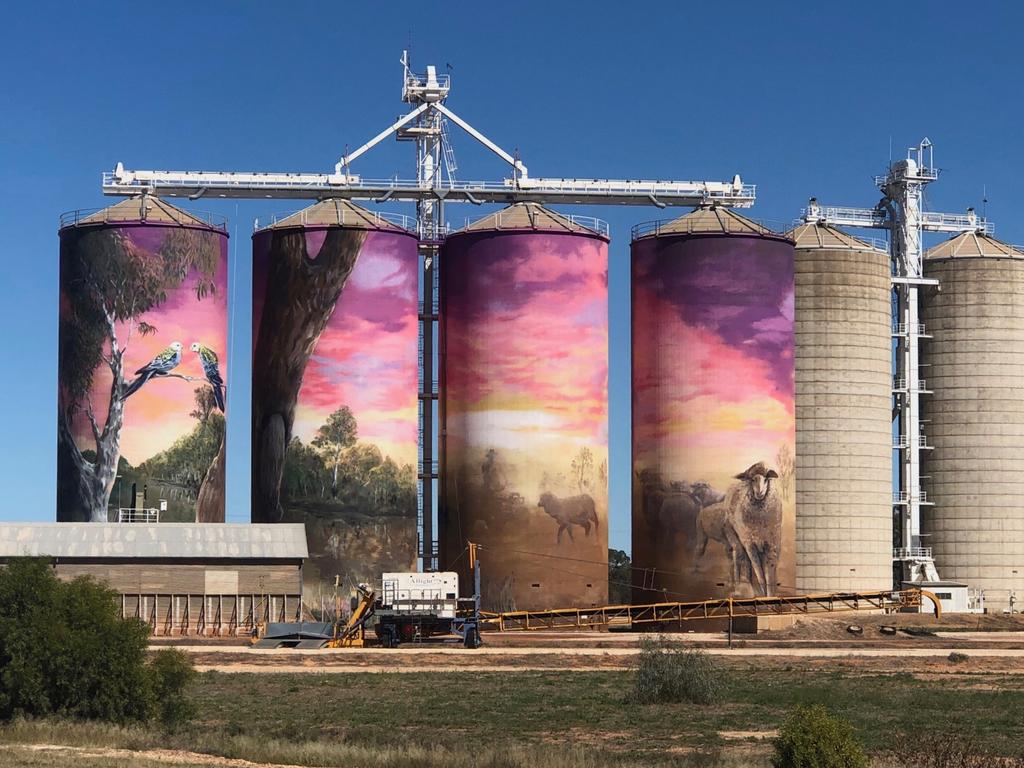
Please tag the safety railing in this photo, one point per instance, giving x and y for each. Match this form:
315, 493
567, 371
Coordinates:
908, 553
902, 497
230, 184
132, 515
900, 384
901, 329
903, 441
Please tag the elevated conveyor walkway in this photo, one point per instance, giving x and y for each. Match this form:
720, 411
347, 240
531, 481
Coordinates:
720, 608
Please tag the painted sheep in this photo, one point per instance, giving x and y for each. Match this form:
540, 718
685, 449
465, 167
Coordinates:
570, 511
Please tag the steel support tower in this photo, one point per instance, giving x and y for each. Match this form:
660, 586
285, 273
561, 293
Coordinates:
434, 185
901, 212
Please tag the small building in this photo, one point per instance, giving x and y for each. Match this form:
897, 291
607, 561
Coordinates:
953, 596
180, 578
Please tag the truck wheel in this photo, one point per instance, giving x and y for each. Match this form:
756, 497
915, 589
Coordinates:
388, 639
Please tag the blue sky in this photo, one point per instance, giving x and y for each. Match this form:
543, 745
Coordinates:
800, 98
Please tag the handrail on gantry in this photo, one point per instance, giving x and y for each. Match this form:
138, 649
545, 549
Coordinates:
717, 608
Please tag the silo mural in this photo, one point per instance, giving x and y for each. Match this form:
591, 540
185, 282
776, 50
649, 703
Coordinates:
524, 403
713, 411
142, 363
335, 390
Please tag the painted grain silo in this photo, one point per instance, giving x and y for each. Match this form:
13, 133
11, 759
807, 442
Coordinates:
334, 389
524, 324
142, 364
713, 410
976, 415
844, 440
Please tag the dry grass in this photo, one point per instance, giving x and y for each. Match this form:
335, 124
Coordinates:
528, 720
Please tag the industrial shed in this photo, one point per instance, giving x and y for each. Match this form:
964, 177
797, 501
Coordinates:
180, 578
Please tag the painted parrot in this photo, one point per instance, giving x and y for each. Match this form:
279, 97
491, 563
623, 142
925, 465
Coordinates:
209, 361
160, 365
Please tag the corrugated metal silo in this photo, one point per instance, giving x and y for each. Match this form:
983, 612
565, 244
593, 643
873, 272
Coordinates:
334, 389
713, 416
844, 440
976, 415
524, 407
142, 363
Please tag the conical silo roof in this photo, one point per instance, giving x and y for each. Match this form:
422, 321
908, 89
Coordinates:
147, 208
818, 235
335, 212
527, 216
705, 220
973, 245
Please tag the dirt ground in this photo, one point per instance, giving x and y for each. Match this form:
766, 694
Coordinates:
872, 643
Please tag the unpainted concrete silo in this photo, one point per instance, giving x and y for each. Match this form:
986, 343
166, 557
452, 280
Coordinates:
976, 368
844, 521
713, 411
334, 389
524, 455
142, 368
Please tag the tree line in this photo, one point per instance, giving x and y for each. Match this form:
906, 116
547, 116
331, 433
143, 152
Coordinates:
334, 467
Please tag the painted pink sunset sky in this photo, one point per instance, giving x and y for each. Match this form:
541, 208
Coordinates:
366, 357
712, 355
526, 328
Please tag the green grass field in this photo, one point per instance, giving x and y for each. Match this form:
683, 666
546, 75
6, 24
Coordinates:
558, 719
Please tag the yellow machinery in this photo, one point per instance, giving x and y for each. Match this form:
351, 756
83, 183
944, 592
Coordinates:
353, 634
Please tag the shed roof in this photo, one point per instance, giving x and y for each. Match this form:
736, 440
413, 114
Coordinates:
527, 216
335, 212
146, 208
818, 235
973, 245
268, 541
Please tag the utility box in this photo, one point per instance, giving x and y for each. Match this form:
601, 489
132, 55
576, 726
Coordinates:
435, 593
953, 596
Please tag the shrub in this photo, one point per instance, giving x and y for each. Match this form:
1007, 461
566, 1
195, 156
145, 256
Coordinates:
668, 673
170, 674
947, 750
64, 649
812, 737
957, 658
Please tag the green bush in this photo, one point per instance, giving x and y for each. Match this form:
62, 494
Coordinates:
957, 658
170, 674
669, 673
812, 737
65, 650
